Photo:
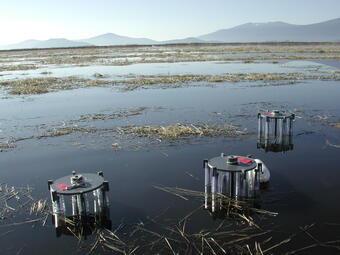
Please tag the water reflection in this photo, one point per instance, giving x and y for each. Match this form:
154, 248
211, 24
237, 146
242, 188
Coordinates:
82, 226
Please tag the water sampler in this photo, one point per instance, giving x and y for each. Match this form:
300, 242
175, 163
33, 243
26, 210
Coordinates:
81, 198
275, 130
237, 177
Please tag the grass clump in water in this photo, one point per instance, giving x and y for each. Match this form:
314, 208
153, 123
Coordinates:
48, 84
135, 82
115, 115
17, 67
6, 146
175, 132
335, 124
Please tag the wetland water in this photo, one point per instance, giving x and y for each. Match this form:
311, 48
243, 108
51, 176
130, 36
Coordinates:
304, 185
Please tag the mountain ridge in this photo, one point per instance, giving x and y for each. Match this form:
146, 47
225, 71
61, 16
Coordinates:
276, 31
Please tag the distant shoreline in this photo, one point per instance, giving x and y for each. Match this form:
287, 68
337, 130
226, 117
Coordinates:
182, 45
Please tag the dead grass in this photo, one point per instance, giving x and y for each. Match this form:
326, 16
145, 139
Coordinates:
48, 84
20, 67
110, 116
135, 82
15, 201
61, 131
335, 124
51, 84
6, 146
169, 53
174, 132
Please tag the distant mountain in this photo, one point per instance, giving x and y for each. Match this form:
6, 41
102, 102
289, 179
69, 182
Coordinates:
278, 31
328, 31
114, 39
185, 40
51, 43
61, 43
25, 44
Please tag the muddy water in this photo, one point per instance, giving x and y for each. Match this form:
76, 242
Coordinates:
304, 182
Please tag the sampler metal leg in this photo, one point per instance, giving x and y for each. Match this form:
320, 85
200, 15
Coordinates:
214, 189
287, 126
102, 199
250, 177
259, 131
55, 207
232, 185
75, 210
258, 171
55, 202
81, 204
62, 205
56, 220
105, 189
284, 131
99, 198
280, 129
290, 127
96, 206
207, 184
237, 181
267, 130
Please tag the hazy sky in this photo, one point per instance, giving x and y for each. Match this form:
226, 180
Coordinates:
155, 19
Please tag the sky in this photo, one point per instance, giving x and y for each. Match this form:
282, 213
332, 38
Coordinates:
155, 19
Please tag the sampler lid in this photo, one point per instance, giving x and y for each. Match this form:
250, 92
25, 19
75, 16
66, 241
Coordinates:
232, 163
89, 183
276, 114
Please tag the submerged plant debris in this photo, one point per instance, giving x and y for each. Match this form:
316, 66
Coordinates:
162, 235
17, 206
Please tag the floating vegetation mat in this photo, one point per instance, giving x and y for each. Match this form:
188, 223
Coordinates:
127, 136
146, 80
174, 132
335, 124
48, 84
51, 84
20, 67
128, 55
6, 146
110, 116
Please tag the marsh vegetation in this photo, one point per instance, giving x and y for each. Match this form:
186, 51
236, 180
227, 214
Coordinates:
167, 53
52, 84
150, 141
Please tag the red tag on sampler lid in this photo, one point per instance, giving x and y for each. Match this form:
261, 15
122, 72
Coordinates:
61, 186
268, 113
245, 160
